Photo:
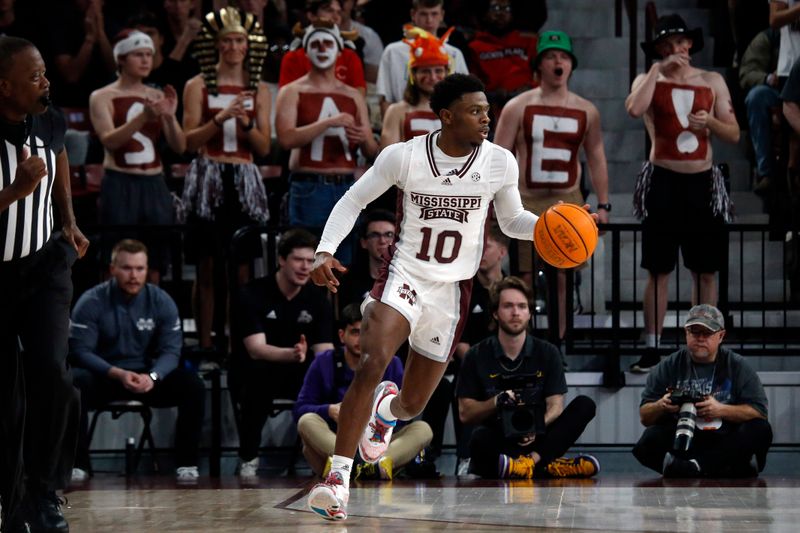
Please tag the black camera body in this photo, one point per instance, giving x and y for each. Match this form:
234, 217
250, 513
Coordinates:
525, 415
682, 396
687, 417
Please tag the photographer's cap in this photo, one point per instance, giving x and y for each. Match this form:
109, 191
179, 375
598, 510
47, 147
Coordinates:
707, 316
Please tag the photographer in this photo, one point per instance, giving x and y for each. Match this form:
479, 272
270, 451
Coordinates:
704, 408
512, 388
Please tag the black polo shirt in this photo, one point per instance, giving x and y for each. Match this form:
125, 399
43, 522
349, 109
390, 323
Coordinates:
485, 362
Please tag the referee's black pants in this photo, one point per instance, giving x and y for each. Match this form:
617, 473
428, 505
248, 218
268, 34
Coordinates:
39, 407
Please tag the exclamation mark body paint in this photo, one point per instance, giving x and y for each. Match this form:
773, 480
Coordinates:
683, 101
672, 105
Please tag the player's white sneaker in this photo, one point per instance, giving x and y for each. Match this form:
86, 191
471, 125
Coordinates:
329, 498
378, 432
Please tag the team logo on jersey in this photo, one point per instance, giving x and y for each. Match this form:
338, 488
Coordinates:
447, 182
407, 293
453, 207
476, 176
145, 324
436, 341
304, 317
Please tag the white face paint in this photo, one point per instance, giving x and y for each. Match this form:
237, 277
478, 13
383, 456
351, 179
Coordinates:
321, 50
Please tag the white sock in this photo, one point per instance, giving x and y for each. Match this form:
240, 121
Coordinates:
342, 465
652, 340
385, 408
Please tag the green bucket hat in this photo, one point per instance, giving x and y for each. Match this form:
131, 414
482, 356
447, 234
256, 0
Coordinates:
555, 40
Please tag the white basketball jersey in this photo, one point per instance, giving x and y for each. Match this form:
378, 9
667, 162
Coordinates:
444, 210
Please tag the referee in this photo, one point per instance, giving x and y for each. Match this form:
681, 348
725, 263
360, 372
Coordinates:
39, 408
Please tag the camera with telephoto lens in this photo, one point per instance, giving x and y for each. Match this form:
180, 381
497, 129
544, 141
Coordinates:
687, 416
523, 415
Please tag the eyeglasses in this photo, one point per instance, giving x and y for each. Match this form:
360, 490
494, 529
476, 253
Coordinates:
500, 9
388, 235
700, 332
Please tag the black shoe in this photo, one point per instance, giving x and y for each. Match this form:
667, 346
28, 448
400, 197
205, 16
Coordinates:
675, 467
44, 513
645, 363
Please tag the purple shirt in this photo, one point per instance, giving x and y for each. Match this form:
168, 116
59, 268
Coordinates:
320, 390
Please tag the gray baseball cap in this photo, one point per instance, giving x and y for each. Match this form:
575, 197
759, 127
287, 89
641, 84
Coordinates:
707, 316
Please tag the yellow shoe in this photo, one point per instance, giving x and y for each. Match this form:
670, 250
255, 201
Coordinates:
519, 468
385, 468
366, 471
580, 466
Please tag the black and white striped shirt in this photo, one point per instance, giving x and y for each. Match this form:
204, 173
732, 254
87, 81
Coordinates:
26, 225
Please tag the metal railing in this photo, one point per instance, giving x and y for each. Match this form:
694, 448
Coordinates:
758, 295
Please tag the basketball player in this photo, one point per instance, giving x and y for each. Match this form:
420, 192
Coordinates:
129, 118
428, 64
680, 195
448, 178
546, 127
226, 118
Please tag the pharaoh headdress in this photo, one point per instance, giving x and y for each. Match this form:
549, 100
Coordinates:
217, 24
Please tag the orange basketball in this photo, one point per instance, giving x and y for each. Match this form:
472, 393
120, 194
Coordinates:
565, 235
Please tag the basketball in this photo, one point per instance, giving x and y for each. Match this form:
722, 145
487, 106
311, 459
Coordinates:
565, 235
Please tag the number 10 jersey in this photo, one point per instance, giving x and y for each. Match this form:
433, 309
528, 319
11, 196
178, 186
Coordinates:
445, 201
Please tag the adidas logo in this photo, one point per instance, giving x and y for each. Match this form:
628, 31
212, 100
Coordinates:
453, 172
477, 309
272, 314
435, 341
447, 182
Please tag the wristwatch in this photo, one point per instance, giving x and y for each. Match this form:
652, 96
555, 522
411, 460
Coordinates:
606, 206
154, 376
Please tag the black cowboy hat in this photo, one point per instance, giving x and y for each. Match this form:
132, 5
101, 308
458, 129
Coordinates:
667, 26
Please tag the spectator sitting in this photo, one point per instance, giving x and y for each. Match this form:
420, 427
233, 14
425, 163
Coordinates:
501, 56
732, 435
759, 78
125, 344
322, 121
496, 452
393, 72
377, 235
317, 407
348, 66
281, 316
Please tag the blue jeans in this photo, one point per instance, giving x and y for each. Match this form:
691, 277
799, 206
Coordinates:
759, 101
310, 204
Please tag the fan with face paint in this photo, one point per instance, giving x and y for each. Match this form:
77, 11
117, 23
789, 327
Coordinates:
323, 43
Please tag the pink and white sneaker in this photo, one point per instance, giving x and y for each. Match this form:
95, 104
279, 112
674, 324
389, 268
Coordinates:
378, 432
329, 498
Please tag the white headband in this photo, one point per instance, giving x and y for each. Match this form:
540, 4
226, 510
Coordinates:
134, 41
333, 32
